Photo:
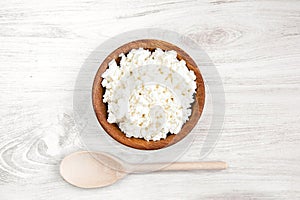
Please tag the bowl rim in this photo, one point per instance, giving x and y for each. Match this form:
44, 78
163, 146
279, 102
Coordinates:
100, 108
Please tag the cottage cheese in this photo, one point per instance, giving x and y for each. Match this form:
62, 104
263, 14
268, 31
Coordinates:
149, 94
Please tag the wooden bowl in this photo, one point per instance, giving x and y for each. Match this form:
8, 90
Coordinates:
113, 130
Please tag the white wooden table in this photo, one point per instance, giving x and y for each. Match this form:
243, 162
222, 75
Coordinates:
254, 45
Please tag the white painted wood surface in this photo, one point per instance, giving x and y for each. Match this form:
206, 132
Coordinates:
254, 44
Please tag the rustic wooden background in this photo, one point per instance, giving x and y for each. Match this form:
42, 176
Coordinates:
254, 45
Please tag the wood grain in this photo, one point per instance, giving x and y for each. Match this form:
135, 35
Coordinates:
254, 45
101, 108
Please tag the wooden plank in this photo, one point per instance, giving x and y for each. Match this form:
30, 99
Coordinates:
254, 44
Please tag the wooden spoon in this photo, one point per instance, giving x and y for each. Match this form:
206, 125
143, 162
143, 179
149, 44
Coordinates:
94, 169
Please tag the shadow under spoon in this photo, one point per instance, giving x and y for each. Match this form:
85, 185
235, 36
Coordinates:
96, 169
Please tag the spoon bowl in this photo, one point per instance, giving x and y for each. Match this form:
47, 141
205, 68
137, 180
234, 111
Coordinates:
90, 170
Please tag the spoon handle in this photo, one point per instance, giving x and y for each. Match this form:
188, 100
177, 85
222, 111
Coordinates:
183, 166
